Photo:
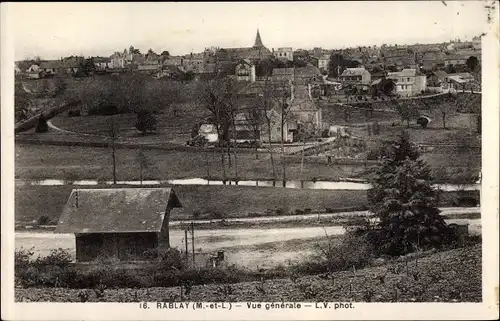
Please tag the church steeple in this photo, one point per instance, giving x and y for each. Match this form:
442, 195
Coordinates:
258, 41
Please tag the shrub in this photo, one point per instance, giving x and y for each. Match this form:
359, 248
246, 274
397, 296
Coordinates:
168, 258
43, 220
42, 126
103, 109
59, 257
22, 258
74, 113
146, 121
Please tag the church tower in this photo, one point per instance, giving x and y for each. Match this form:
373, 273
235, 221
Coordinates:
258, 41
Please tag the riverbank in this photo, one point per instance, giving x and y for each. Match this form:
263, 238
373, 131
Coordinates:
351, 218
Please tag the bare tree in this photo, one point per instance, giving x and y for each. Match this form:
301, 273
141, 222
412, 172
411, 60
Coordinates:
268, 113
406, 109
283, 96
113, 134
144, 163
254, 119
217, 96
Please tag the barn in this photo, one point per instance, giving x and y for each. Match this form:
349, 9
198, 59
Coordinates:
121, 223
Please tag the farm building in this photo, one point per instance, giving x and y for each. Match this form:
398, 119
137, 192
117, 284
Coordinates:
122, 223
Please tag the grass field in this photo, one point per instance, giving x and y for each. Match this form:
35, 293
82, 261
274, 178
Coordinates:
212, 201
449, 276
71, 162
35, 201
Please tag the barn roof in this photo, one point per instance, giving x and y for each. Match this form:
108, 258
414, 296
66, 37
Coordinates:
116, 210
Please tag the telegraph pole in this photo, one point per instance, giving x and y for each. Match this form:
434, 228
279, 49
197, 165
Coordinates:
192, 239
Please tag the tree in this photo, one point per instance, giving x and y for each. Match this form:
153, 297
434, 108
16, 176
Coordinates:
450, 69
113, 134
405, 203
472, 62
146, 121
406, 110
134, 51
42, 126
87, 67
267, 103
217, 97
254, 118
283, 98
338, 64
144, 163
446, 106
165, 53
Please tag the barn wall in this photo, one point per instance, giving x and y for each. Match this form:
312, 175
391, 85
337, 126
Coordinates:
164, 235
123, 246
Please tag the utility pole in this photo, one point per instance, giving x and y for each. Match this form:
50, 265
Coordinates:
208, 166
113, 149
186, 242
192, 240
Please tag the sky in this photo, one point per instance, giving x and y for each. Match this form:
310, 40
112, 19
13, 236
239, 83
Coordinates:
54, 30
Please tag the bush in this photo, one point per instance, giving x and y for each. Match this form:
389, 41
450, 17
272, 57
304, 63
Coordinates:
59, 257
103, 109
146, 122
22, 258
42, 126
170, 258
352, 250
43, 220
74, 113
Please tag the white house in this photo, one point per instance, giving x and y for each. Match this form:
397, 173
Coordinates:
285, 53
323, 62
33, 72
245, 70
117, 61
356, 75
408, 82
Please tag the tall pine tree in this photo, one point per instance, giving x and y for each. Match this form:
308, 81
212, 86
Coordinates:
405, 203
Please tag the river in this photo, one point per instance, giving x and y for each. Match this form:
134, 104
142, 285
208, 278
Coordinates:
325, 185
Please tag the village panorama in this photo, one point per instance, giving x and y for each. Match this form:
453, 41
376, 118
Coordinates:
250, 174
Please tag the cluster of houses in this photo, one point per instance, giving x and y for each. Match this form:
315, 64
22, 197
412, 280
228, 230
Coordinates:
409, 66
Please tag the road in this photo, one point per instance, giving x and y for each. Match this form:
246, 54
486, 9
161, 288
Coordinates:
312, 217
245, 247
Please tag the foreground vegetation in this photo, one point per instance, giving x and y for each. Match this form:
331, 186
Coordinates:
445, 276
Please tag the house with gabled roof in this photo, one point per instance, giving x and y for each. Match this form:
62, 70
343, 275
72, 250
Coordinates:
409, 82
245, 70
356, 76
122, 223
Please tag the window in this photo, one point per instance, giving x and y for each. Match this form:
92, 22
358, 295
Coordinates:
408, 79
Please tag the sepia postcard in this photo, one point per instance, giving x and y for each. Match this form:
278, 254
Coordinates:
293, 160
